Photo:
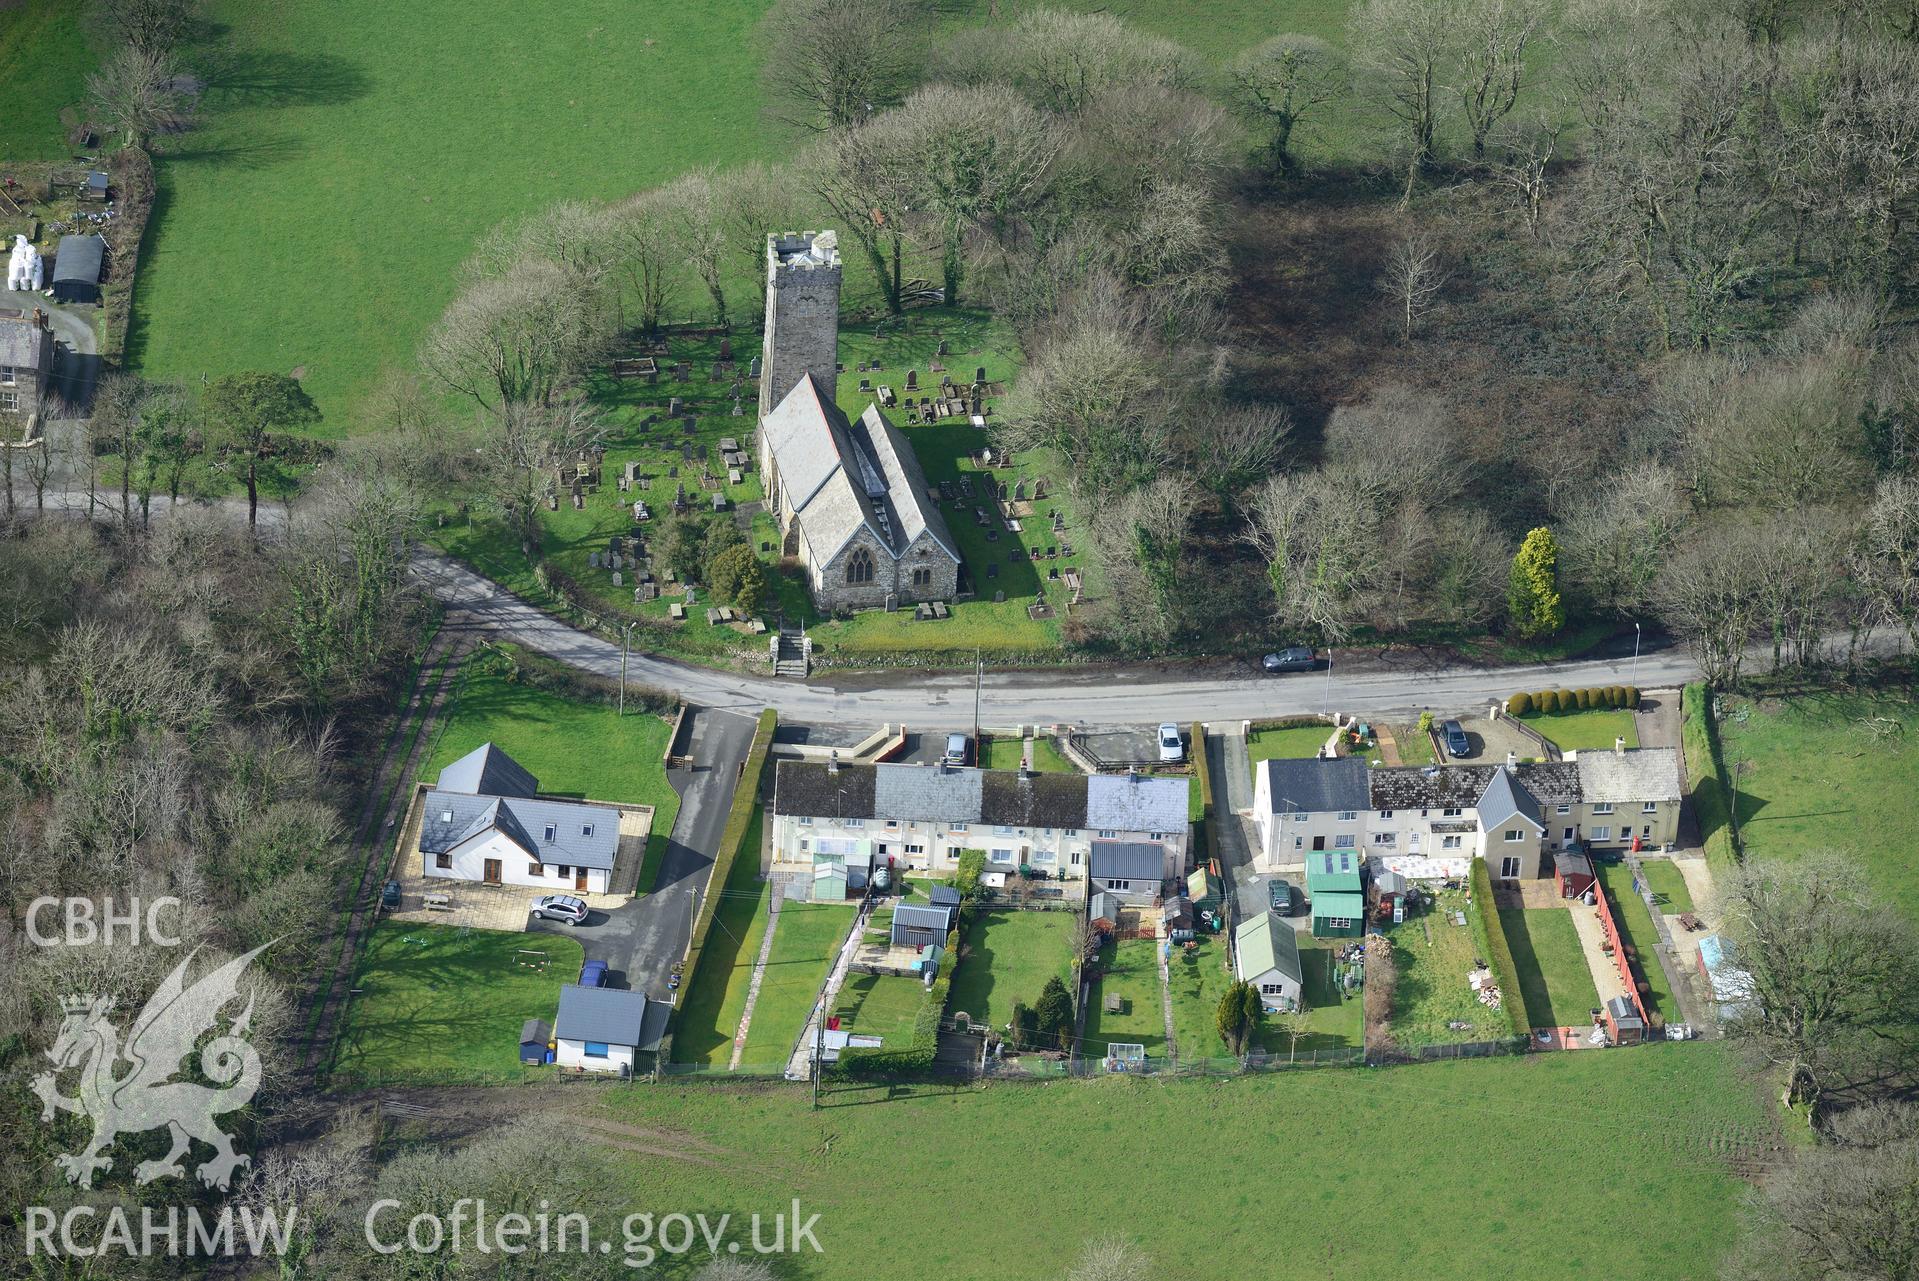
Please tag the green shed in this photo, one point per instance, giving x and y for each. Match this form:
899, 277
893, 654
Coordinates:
1204, 889
1339, 914
1333, 872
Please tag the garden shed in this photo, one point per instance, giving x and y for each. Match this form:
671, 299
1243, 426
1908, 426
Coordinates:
1573, 873
77, 264
916, 926
535, 1036
1339, 915
1103, 909
1266, 954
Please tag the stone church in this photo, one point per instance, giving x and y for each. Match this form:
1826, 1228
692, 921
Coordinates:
848, 495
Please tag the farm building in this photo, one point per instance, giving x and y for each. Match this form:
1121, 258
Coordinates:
1334, 884
1266, 954
916, 926
1573, 873
77, 265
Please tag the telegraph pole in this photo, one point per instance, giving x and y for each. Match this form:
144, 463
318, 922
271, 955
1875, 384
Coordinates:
979, 679
626, 639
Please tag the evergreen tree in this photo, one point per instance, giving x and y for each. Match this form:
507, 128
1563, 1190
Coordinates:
1533, 604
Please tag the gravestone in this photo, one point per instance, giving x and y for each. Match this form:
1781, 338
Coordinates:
683, 371
1019, 490
689, 424
675, 407
999, 598
612, 560
737, 411
912, 380
1039, 489
753, 367
617, 580
593, 559
726, 349
866, 385
943, 349
979, 376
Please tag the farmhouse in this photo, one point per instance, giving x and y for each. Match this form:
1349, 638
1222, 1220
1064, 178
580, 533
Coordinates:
26, 370
485, 821
1266, 955
602, 1029
1516, 816
849, 496
922, 817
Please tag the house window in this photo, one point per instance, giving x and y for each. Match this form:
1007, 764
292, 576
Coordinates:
9, 402
552, 833
1646, 830
1385, 813
443, 860
586, 829
922, 577
1604, 807
1569, 833
595, 1050
1299, 842
1449, 842
1650, 807
804, 822
1045, 856
1565, 809
1602, 833
1451, 811
1347, 816
1339, 922
1271, 989
1074, 859
534, 869
1002, 856
1119, 885
1002, 831
564, 871
892, 822
6, 376
1155, 836
959, 827
805, 845
859, 566
1107, 835
856, 822
1299, 816
1508, 869
1385, 838
1343, 842
1071, 831
916, 849
1514, 834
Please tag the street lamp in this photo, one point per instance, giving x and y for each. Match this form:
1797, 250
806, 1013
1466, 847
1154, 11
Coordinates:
1633, 680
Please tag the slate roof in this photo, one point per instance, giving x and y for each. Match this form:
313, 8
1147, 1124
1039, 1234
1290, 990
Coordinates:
536, 1030
1038, 800
1504, 799
1552, 782
1134, 803
488, 771
610, 1016
1428, 787
841, 476
927, 793
22, 343
78, 258
1128, 861
1317, 786
1643, 774
450, 819
808, 789
1263, 943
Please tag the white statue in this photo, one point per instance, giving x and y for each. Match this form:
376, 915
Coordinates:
24, 268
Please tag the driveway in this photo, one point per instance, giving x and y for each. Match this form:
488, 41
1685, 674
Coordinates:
641, 940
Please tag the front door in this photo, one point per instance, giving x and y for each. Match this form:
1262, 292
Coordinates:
1319, 842
490, 873
579, 878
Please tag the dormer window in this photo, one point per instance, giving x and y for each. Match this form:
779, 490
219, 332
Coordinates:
552, 833
586, 829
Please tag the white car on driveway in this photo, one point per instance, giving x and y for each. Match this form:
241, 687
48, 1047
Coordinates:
1172, 748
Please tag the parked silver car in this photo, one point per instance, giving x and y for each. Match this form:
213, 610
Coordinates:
560, 907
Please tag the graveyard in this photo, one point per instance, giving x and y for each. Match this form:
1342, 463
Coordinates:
681, 411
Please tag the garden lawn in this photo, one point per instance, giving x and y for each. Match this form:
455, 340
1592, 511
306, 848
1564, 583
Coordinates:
709, 1012
1434, 956
1006, 753
440, 1003
1007, 957
1830, 771
1553, 974
1585, 731
1332, 1019
1636, 929
1668, 885
1388, 1148
582, 749
1129, 969
44, 61
883, 1005
1197, 980
1298, 742
805, 942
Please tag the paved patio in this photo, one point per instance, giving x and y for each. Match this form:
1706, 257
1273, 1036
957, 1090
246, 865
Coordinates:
1592, 941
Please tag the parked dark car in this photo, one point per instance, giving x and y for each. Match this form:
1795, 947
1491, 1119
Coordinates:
1456, 741
1294, 658
593, 974
1280, 894
560, 907
390, 894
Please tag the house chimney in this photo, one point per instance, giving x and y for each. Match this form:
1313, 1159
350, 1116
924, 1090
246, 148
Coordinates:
1619, 746
833, 762
1512, 759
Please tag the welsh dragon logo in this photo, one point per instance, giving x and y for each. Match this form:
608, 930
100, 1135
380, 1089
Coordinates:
145, 1096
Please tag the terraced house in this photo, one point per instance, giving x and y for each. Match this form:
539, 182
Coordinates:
1125, 831
1515, 816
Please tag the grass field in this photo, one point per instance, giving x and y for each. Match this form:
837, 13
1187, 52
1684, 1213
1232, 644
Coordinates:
1669, 889
44, 61
1584, 731
1129, 969
574, 749
1833, 772
1299, 742
439, 1001
1434, 957
1636, 929
1007, 957
804, 944
1553, 974
882, 1005
1366, 1166
709, 1011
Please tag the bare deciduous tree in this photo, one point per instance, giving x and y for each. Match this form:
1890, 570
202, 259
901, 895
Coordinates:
1523, 167
1280, 81
523, 452
1412, 278
1060, 61
1323, 550
643, 246
1401, 46
1111, 1258
518, 338
833, 63
1613, 545
1492, 37
698, 226
135, 95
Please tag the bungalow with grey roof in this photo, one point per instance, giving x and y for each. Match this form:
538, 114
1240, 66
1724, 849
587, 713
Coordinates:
485, 821
603, 1029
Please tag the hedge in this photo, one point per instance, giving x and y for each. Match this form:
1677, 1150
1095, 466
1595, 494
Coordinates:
1489, 936
1712, 799
917, 1056
1203, 779
1550, 702
739, 819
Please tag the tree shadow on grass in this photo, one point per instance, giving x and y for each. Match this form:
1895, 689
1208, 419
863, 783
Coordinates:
259, 153
278, 78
